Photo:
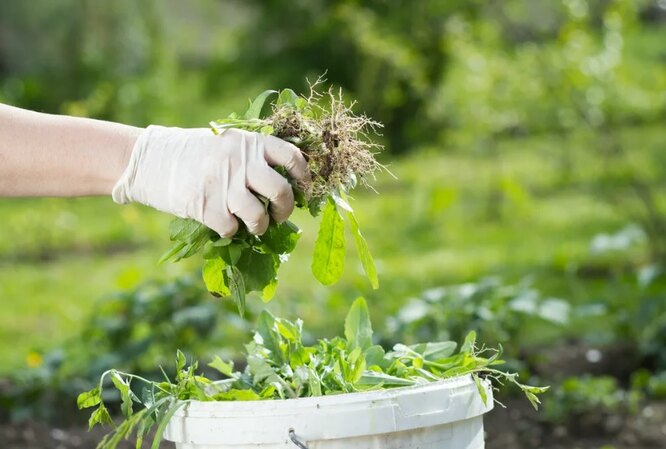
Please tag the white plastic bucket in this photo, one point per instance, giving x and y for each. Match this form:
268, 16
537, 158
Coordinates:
446, 414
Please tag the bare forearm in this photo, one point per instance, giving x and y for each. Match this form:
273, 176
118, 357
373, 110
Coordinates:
49, 155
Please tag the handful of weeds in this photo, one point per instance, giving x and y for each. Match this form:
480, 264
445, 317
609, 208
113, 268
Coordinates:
337, 146
280, 366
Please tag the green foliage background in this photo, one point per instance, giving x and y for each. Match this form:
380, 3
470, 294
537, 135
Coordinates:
527, 137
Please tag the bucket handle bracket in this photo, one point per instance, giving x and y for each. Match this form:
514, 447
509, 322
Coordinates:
294, 439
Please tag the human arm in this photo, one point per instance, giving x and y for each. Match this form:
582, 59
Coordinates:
186, 172
52, 155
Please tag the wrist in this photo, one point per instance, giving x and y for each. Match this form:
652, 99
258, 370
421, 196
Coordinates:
119, 159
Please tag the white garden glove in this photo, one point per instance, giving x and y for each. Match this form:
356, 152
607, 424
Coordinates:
192, 173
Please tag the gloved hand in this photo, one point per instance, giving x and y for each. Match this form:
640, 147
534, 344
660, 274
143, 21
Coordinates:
192, 173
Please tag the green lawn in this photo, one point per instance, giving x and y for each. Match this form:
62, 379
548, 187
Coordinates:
449, 217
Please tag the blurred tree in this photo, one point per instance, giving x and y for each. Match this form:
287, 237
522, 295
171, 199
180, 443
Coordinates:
389, 54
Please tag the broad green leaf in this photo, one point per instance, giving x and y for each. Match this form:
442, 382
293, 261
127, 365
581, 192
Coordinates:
235, 251
186, 230
301, 104
358, 328
328, 260
267, 329
364, 252
213, 276
281, 238
226, 368
222, 241
269, 291
259, 270
262, 371
374, 355
287, 96
435, 351
254, 111
89, 398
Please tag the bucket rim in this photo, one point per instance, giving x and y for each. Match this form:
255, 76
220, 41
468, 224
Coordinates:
272, 406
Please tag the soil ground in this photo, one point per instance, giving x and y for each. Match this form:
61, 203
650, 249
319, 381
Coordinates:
516, 427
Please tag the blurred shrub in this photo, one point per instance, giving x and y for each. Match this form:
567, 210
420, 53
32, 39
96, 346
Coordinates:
90, 55
631, 306
498, 312
652, 384
585, 403
135, 331
582, 76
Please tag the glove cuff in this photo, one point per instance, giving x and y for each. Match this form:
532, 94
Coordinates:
122, 191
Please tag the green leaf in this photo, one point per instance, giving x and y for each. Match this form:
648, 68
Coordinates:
259, 270
125, 393
254, 111
164, 420
144, 427
190, 237
235, 250
435, 351
181, 361
287, 96
237, 287
222, 241
267, 130
328, 260
288, 330
534, 400
213, 276
376, 378
314, 383
358, 328
269, 291
89, 398
186, 230
358, 365
100, 416
225, 368
267, 329
237, 395
534, 390
469, 343
364, 252
482, 389
281, 238
374, 355
172, 252
301, 104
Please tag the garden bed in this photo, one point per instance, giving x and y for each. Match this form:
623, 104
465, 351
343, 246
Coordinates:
516, 427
